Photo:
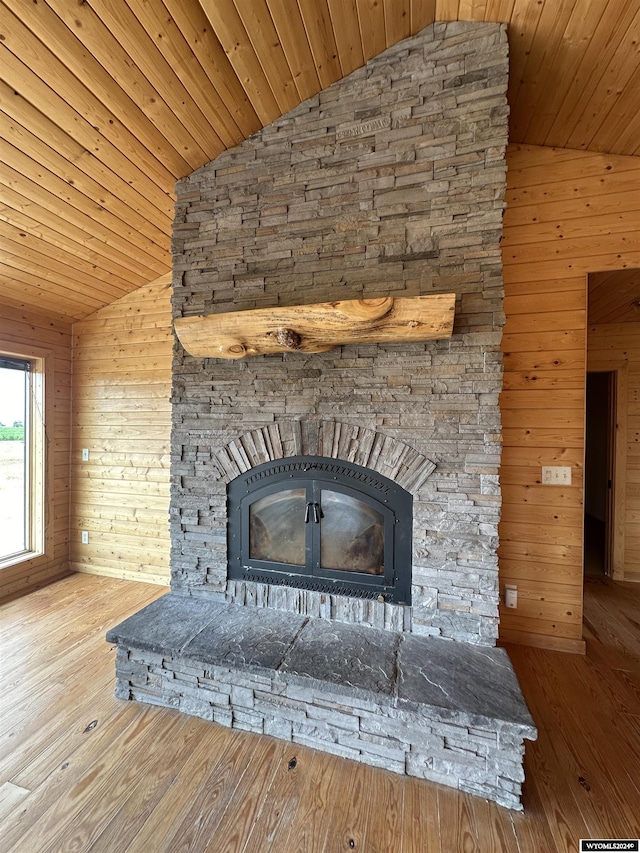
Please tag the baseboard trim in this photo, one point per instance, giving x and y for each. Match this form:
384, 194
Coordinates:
542, 641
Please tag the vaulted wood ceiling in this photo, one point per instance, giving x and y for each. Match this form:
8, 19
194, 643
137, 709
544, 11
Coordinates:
105, 103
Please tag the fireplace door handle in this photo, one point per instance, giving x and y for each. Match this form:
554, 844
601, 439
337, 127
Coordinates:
317, 512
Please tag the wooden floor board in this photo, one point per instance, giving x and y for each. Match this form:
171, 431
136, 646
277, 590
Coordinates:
421, 818
210, 752
598, 782
532, 831
229, 834
458, 829
383, 826
347, 830
31, 762
146, 787
83, 771
312, 821
44, 810
494, 826
281, 801
98, 796
10, 797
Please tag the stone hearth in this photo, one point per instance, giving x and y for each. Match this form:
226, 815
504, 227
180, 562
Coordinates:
443, 711
389, 183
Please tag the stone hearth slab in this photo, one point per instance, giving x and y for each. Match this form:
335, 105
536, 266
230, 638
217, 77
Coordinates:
444, 710
472, 682
236, 638
170, 622
343, 655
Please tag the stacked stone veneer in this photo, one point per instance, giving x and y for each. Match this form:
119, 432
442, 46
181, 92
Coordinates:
389, 182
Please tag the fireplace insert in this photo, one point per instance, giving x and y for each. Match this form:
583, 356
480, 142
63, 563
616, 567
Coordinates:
317, 523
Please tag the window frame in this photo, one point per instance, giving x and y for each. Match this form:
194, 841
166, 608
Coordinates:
39, 510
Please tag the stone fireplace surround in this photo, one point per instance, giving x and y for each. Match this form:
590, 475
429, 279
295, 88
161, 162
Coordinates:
389, 182
332, 440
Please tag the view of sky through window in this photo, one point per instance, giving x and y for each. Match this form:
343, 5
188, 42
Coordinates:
13, 461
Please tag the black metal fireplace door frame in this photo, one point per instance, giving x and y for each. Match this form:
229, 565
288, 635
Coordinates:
312, 473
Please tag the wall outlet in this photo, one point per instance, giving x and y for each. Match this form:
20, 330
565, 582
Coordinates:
85, 454
84, 537
510, 596
556, 475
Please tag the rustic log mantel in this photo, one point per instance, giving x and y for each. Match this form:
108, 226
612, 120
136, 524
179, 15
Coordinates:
319, 327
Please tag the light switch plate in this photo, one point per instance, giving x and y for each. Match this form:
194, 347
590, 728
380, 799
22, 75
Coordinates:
85, 454
556, 475
510, 596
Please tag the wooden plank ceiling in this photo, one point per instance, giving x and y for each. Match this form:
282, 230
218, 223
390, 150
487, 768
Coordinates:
105, 103
614, 297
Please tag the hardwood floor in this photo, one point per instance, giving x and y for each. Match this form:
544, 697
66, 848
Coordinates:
82, 771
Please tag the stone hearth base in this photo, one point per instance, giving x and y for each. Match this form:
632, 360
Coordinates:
437, 709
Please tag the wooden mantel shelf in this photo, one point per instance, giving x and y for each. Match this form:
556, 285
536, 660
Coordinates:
319, 327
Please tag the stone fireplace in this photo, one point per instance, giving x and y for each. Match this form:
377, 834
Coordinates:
334, 515
391, 182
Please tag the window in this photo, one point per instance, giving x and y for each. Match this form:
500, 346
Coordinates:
22, 457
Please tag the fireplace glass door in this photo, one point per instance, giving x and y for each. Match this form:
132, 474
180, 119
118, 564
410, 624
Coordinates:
351, 534
322, 525
276, 528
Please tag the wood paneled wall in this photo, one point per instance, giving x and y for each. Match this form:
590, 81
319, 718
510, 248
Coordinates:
616, 346
121, 414
25, 330
569, 213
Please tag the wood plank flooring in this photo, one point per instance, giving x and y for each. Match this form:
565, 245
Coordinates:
82, 771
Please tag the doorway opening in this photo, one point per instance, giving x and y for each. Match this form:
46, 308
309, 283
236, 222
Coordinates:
599, 472
613, 311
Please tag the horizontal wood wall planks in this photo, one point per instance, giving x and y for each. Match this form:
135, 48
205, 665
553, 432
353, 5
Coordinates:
614, 298
122, 415
556, 233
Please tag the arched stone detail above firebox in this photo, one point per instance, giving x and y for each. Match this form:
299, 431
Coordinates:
333, 439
